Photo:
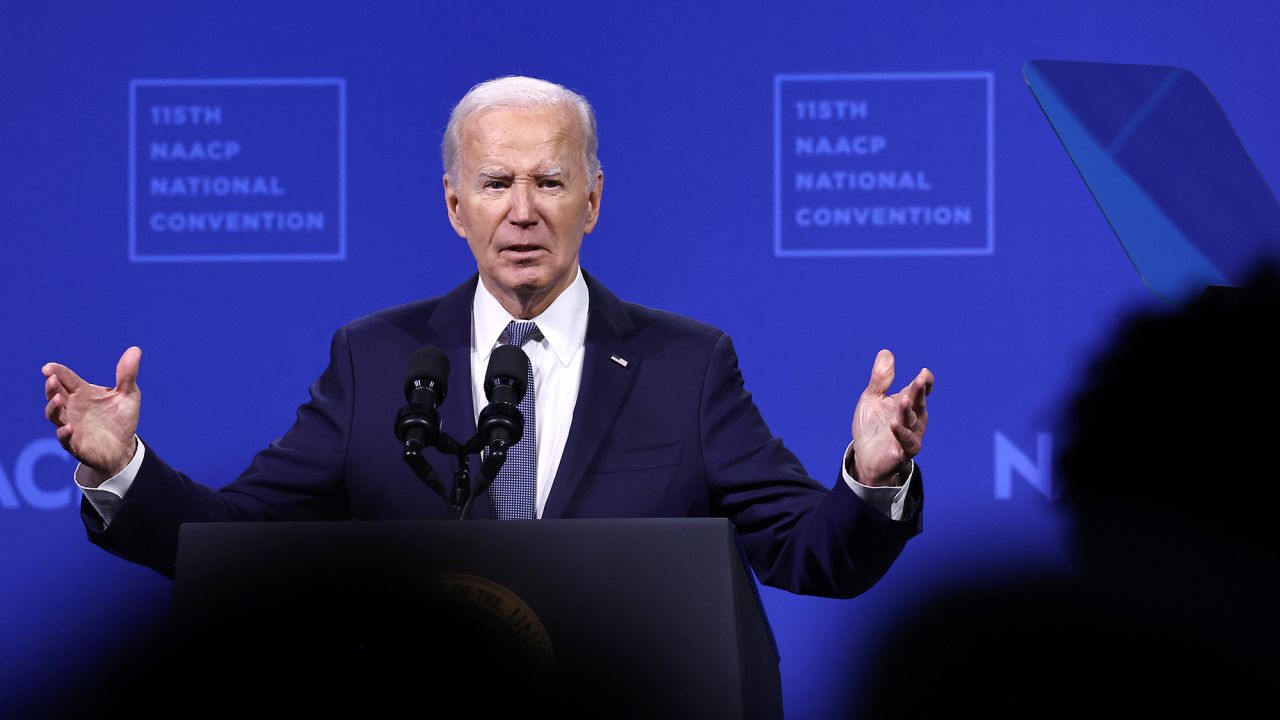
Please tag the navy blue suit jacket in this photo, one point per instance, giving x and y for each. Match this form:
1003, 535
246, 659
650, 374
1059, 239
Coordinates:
672, 434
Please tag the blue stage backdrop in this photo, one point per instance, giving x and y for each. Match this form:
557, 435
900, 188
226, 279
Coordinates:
878, 170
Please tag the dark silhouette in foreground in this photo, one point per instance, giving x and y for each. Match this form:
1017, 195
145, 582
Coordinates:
1167, 475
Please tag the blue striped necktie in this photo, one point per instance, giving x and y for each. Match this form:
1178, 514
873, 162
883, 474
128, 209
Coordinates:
514, 492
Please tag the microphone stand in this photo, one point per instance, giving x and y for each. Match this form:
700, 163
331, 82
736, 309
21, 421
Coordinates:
459, 497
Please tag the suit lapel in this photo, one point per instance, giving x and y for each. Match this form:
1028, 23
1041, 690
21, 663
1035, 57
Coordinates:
604, 387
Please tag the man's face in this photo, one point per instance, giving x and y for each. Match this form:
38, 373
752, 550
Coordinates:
521, 199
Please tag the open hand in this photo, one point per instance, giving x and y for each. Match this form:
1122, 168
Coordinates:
96, 424
888, 429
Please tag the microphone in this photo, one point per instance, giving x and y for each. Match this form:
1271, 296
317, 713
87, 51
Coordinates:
418, 423
501, 423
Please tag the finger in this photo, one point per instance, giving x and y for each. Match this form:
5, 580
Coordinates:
920, 387
906, 409
925, 377
908, 438
881, 375
53, 410
64, 436
914, 411
918, 391
69, 380
127, 370
52, 386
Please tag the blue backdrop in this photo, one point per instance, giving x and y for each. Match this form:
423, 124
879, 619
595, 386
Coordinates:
957, 234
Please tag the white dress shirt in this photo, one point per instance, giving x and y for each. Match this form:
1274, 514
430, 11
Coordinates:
557, 372
557, 368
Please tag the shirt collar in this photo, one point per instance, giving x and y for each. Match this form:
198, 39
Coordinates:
563, 325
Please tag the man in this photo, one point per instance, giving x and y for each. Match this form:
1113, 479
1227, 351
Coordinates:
636, 412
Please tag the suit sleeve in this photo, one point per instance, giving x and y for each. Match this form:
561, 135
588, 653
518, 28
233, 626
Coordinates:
298, 477
798, 535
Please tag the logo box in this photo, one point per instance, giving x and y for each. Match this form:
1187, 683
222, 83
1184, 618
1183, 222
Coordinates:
237, 169
884, 164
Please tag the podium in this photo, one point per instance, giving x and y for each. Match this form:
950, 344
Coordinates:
609, 617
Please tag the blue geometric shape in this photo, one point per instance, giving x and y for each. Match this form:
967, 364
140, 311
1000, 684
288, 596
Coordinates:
1160, 157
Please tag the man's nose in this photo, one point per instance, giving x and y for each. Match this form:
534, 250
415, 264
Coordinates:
522, 213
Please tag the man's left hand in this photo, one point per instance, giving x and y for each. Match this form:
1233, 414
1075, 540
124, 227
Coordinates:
888, 429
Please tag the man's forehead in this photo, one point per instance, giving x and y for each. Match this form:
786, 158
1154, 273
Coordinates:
548, 131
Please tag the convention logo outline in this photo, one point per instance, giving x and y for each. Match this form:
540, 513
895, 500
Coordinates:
783, 252
339, 255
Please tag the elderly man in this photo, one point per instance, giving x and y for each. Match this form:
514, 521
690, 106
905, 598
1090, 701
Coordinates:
633, 412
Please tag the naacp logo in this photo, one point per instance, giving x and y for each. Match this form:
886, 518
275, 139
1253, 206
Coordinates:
227, 169
883, 164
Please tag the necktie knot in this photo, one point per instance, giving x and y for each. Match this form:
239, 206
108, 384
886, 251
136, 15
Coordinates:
519, 332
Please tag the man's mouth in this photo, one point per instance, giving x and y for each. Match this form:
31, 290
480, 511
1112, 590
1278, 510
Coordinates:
522, 249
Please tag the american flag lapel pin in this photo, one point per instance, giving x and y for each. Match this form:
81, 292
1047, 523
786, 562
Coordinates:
618, 360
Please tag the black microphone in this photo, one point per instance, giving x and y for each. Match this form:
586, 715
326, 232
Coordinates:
418, 423
501, 423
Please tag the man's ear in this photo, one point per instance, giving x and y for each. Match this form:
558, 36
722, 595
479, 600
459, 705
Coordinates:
451, 205
593, 204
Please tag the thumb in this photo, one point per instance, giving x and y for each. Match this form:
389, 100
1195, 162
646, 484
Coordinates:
881, 375
127, 370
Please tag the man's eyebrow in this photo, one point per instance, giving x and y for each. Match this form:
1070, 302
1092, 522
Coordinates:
501, 174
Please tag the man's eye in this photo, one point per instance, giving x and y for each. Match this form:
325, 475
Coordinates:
494, 184
552, 184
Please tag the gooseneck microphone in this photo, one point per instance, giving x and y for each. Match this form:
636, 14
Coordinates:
501, 423
418, 423
504, 385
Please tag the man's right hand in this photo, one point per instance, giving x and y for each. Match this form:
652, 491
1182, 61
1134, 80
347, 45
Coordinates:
96, 424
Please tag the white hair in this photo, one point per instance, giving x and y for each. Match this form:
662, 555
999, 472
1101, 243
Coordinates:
516, 92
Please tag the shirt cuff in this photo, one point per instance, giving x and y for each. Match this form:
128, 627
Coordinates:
890, 499
106, 498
